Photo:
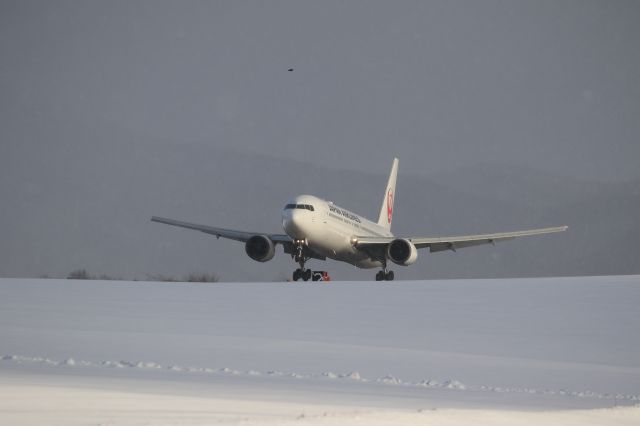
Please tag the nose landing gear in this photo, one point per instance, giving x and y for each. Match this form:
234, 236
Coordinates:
299, 273
300, 257
308, 274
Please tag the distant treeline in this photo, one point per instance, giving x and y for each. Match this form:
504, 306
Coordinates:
82, 274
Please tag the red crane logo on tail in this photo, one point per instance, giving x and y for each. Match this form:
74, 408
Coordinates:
389, 205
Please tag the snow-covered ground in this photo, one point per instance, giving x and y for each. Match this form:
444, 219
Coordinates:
556, 350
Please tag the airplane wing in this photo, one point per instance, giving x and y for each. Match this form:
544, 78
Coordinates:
436, 244
242, 236
231, 234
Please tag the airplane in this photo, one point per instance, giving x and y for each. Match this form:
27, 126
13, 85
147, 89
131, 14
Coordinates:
319, 229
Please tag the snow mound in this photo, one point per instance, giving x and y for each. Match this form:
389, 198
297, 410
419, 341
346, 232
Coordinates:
355, 376
389, 380
69, 362
454, 384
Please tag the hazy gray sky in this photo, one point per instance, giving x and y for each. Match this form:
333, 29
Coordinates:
91, 90
555, 84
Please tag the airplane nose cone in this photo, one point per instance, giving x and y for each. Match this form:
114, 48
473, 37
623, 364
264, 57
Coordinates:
292, 224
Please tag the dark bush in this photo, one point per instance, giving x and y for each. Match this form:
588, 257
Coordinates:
79, 274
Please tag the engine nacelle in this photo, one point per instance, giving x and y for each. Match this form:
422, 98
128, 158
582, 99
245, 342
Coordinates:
402, 252
260, 248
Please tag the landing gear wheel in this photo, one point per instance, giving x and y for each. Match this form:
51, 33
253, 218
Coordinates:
384, 276
304, 274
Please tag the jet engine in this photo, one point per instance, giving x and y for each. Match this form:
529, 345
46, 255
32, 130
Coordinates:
260, 248
402, 252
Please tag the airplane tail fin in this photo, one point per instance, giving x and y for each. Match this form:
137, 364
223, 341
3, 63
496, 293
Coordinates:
386, 211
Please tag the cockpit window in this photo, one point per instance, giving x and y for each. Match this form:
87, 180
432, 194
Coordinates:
299, 206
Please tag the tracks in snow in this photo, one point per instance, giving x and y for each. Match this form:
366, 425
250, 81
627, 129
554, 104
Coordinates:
352, 376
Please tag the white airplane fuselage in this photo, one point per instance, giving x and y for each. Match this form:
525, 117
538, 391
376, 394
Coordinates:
329, 230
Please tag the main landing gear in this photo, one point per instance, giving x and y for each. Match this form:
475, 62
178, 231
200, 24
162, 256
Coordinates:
384, 275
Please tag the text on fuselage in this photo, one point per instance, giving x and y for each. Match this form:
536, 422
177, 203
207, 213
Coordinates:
344, 213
